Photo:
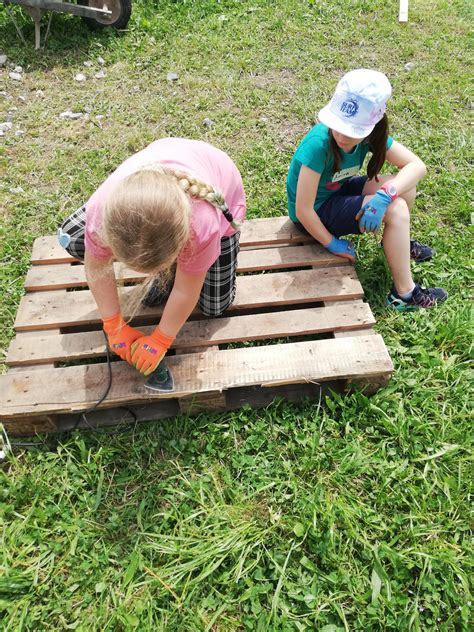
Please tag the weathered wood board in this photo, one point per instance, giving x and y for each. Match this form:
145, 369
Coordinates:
298, 321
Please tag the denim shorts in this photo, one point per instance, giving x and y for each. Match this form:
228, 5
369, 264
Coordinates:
338, 212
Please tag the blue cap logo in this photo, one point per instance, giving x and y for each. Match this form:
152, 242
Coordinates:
349, 108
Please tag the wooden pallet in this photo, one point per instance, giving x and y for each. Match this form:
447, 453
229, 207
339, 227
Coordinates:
293, 288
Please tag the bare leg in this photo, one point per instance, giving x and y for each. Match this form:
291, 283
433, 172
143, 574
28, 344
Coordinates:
396, 244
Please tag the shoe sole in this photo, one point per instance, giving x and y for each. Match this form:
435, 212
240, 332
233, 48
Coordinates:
421, 260
402, 308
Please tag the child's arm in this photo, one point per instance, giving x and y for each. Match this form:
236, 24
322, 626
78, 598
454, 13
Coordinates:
412, 169
306, 191
181, 301
148, 352
102, 283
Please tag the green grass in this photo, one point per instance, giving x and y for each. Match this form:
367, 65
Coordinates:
352, 514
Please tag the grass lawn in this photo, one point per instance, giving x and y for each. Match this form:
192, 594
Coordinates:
345, 515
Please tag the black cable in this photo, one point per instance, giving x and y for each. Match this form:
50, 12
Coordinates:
82, 415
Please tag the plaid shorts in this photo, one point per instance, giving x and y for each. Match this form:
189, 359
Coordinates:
218, 291
71, 233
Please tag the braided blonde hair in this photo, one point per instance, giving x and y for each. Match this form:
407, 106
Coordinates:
147, 220
197, 189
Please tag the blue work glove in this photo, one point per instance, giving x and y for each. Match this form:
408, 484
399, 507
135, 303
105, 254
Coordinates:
371, 214
342, 248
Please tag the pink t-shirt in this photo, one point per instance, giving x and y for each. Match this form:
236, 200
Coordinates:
208, 224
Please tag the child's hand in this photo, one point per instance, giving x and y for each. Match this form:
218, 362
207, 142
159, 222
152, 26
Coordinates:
148, 351
371, 214
342, 248
120, 336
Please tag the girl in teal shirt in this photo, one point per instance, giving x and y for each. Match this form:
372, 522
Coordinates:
327, 199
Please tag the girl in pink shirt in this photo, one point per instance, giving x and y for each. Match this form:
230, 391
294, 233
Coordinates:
176, 205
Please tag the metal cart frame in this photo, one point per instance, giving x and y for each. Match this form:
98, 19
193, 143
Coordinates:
37, 8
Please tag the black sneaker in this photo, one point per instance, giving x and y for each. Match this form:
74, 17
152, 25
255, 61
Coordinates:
420, 252
421, 297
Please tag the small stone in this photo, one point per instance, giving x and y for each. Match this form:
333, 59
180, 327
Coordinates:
16, 190
70, 116
222, 18
99, 117
15, 76
4, 94
172, 76
80, 77
13, 109
6, 127
18, 69
19, 132
22, 98
39, 94
100, 74
208, 122
409, 66
101, 61
264, 119
88, 64
3, 60
2, 133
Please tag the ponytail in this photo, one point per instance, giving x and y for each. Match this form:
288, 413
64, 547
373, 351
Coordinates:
377, 142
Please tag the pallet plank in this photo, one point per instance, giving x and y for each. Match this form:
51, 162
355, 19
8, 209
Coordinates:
47, 310
347, 318
254, 232
65, 276
74, 388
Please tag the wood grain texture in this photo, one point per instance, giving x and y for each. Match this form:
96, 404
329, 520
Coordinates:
254, 232
50, 310
348, 318
75, 388
41, 278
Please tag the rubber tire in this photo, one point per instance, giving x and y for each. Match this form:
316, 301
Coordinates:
120, 21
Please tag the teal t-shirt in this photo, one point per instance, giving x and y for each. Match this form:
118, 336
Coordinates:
314, 152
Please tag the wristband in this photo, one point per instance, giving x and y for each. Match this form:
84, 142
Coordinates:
390, 190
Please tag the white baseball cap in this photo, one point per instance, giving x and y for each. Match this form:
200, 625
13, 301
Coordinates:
358, 103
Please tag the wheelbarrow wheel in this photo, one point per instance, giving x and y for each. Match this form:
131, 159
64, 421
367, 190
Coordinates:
118, 19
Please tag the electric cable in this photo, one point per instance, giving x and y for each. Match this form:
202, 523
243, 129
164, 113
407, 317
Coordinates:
82, 415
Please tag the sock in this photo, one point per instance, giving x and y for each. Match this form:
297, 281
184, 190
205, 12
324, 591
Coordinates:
407, 296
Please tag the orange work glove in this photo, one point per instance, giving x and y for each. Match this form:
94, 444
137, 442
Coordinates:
148, 352
120, 336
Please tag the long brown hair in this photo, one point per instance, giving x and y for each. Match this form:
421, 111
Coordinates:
377, 142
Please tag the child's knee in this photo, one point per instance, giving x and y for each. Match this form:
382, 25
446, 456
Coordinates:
398, 212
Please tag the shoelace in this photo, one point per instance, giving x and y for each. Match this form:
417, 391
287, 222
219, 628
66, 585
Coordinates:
424, 298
